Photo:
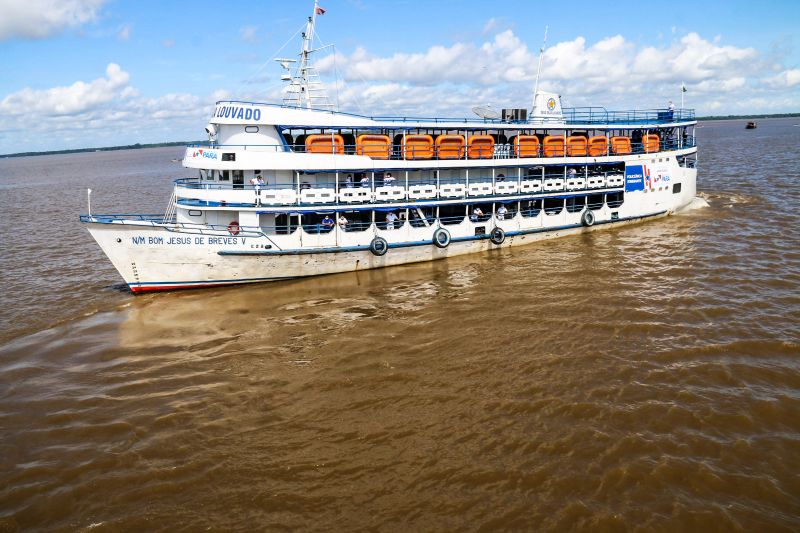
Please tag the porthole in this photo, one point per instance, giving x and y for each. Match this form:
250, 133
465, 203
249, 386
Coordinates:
195, 213
251, 129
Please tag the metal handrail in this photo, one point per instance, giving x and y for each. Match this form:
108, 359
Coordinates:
613, 200
578, 115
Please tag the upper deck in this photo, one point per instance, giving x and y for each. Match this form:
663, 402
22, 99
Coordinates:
233, 112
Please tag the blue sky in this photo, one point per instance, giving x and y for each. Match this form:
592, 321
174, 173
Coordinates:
79, 73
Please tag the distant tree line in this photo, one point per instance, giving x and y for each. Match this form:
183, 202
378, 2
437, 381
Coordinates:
734, 117
104, 149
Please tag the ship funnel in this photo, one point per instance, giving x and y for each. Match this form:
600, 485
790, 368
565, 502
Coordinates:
547, 107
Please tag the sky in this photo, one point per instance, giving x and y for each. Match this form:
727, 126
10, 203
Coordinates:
92, 73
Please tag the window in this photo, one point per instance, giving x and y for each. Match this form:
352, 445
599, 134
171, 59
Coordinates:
532, 173
251, 129
553, 206
576, 204
356, 220
230, 156
479, 212
390, 220
427, 212
195, 213
511, 210
451, 214
225, 175
530, 208
595, 201
316, 223
615, 199
286, 224
676, 188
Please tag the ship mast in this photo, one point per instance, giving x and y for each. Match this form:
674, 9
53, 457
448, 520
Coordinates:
305, 90
539, 70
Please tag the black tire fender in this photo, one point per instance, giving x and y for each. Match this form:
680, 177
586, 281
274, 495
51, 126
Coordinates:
498, 236
588, 218
441, 238
379, 246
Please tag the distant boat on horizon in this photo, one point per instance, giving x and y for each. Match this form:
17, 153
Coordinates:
751, 126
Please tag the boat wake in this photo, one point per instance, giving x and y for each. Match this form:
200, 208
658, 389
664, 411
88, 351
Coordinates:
697, 203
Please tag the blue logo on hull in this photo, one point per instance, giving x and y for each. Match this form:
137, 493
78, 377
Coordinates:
634, 178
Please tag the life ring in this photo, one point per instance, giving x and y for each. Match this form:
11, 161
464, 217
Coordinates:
498, 236
441, 238
233, 227
587, 219
379, 246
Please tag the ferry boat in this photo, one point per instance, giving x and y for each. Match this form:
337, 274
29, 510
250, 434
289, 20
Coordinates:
299, 189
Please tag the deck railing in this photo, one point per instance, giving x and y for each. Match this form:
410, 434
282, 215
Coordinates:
572, 115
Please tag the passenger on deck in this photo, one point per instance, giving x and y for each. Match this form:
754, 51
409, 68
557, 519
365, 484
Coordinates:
388, 179
391, 218
257, 182
571, 173
327, 223
501, 177
501, 212
365, 182
671, 108
348, 181
476, 214
342, 222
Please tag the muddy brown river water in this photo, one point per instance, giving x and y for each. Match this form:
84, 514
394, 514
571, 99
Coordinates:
634, 379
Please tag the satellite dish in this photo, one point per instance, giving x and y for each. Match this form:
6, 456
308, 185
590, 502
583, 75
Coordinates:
485, 112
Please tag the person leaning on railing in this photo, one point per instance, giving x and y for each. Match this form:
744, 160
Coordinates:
257, 182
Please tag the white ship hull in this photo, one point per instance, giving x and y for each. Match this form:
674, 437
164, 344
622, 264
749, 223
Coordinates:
298, 189
152, 256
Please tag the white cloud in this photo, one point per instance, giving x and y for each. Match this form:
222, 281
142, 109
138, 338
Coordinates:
168, 43
37, 19
787, 78
249, 34
490, 25
76, 98
125, 33
612, 71
505, 58
221, 94
98, 113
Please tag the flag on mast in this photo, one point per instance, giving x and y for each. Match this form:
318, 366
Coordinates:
683, 87
320, 11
